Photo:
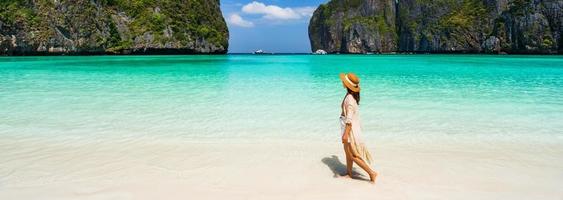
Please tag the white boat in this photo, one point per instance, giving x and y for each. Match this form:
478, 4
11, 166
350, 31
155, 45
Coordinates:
260, 51
320, 52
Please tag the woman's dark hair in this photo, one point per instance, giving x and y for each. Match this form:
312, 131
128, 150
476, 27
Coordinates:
356, 95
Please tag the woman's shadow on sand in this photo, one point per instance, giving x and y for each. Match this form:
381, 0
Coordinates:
339, 169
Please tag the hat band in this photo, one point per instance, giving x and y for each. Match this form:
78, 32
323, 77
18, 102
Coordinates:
349, 81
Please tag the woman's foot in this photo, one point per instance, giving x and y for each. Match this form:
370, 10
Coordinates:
372, 177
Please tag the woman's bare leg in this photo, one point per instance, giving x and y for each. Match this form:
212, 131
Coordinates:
362, 164
349, 160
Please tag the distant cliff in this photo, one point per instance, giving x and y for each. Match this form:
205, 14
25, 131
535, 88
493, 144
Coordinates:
46, 27
438, 26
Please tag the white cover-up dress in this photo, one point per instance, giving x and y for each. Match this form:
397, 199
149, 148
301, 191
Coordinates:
351, 115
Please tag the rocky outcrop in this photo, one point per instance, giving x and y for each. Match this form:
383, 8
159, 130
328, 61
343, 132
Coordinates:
531, 26
348, 26
30, 27
438, 26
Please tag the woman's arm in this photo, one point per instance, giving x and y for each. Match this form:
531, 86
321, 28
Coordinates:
345, 137
346, 134
349, 112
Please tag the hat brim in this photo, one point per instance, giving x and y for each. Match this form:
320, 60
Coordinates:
347, 84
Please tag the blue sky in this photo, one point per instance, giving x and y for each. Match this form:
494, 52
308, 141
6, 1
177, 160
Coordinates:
278, 26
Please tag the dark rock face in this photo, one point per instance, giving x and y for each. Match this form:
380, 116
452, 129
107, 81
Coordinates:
31, 27
354, 26
531, 26
438, 26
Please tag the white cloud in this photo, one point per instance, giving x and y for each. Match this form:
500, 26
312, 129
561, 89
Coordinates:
274, 12
237, 20
306, 11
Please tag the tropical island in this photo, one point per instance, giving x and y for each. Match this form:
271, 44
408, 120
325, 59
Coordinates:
438, 26
91, 27
459, 123
112, 27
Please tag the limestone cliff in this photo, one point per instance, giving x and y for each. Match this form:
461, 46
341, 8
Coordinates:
44, 27
354, 26
438, 26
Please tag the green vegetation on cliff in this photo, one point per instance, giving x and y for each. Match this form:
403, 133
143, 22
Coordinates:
112, 26
471, 26
369, 26
12, 11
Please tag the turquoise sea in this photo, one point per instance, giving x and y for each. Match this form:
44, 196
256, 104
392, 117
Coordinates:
406, 98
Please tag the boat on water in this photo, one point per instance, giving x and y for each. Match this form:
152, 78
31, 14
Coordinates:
320, 52
261, 52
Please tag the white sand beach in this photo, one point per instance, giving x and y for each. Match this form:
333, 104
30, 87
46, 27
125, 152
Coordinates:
157, 169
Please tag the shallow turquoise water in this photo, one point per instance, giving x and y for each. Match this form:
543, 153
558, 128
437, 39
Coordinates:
404, 97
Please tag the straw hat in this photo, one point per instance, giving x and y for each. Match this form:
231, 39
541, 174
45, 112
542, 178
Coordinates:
351, 81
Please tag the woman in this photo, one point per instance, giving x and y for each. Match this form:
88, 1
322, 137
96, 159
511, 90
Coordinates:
351, 127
